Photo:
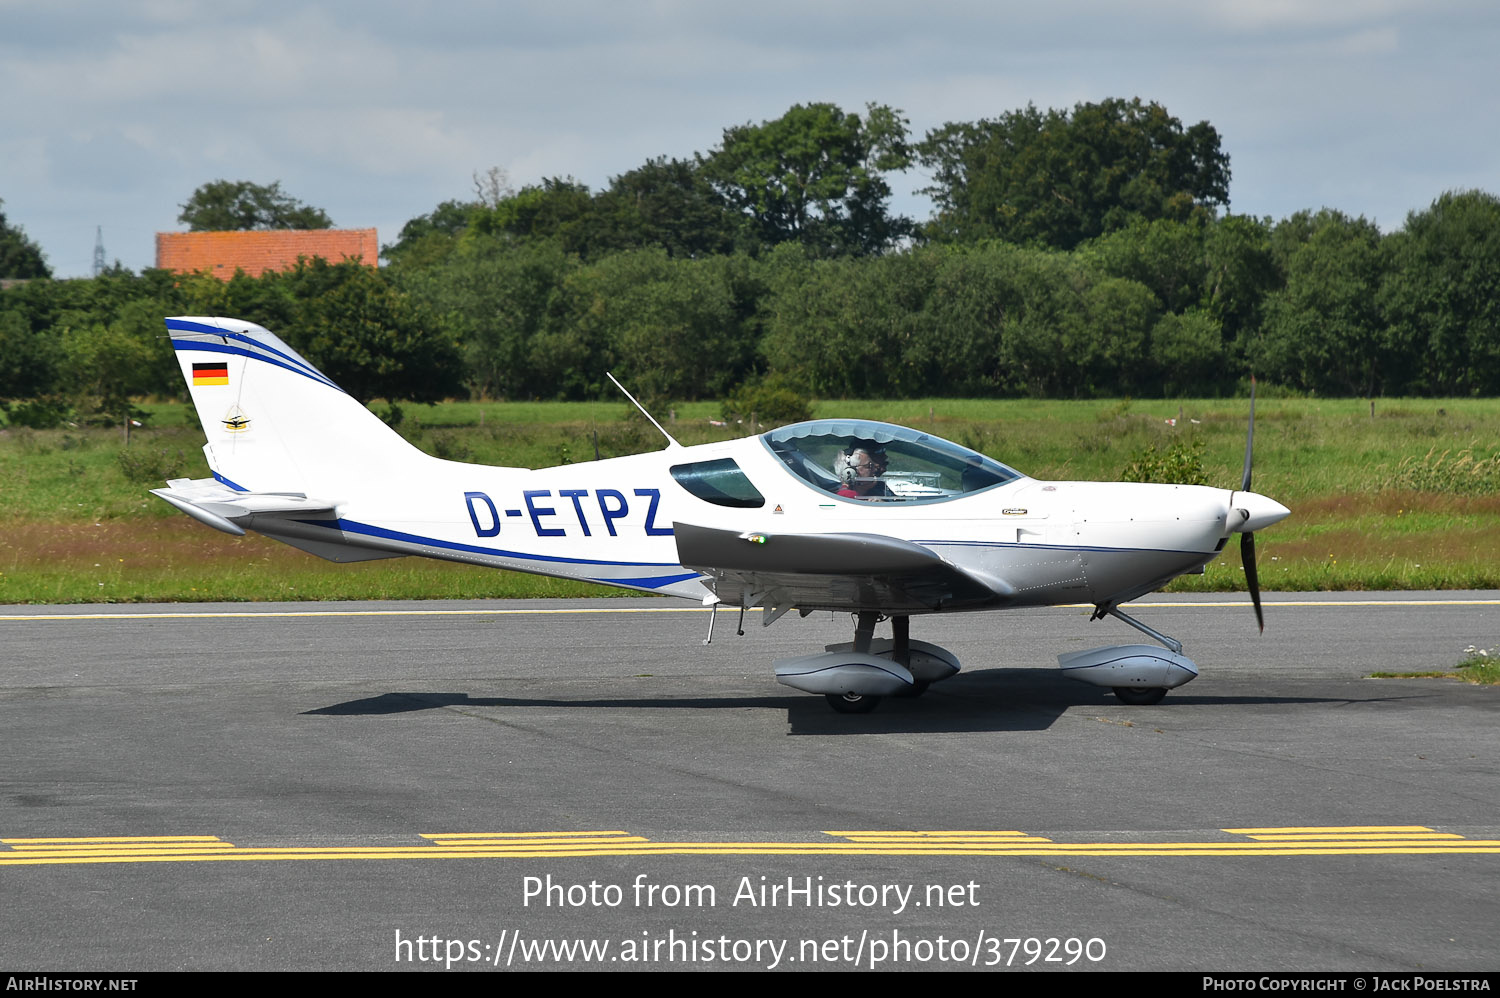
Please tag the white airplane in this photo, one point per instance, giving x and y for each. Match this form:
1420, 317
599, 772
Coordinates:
852, 515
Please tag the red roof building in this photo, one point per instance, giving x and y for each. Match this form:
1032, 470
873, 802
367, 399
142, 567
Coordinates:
257, 251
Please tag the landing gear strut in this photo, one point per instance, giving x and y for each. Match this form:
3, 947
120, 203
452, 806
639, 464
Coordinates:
864, 636
901, 655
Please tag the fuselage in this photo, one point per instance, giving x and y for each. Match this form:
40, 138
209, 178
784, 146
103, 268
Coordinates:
612, 521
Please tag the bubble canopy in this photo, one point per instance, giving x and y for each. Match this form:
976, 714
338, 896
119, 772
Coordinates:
898, 464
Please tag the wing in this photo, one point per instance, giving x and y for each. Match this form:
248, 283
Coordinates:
843, 571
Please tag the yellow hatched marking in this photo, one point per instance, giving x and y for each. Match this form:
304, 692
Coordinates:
519, 835
1363, 840
533, 843
942, 834
167, 839
939, 836
123, 847
1328, 828
1165, 849
1358, 836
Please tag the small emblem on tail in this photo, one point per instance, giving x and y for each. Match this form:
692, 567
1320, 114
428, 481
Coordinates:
235, 420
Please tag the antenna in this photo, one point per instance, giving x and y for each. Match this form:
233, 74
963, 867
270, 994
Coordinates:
98, 250
670, 441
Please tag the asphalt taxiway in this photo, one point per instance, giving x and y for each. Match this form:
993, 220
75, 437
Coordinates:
302, 786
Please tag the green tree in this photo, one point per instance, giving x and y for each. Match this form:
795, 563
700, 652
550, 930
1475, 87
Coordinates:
558, 207
19, 256
1070, 330
351, 321
29, 359
108, 363
814, 176
668, 204
46, 321
494, 294
1163, 254
1119, 315
1241, 271
426, 239
227, 205
668, 328
1056, 179
840, 327
1189, 351
371, 339
1325, 331
956, 343
1443, 293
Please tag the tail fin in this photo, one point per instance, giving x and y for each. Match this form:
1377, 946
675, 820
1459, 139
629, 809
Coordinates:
274, 422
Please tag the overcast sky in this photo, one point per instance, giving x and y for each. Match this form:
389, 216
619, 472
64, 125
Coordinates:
111, 114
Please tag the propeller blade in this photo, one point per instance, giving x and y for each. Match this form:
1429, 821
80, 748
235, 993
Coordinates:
1252, 576
1249, 439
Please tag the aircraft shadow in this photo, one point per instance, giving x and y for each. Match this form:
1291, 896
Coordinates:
807, 715
402, 703
984, 700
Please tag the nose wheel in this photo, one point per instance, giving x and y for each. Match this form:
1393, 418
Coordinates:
852, 703
1138, 696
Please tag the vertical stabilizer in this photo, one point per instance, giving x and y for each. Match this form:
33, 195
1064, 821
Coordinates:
275, 423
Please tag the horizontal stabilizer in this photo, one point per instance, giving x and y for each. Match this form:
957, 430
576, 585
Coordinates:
209, 501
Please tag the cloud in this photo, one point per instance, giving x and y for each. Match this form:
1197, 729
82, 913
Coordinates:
379, 110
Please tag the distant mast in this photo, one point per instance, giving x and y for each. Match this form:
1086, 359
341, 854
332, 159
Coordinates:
98, 250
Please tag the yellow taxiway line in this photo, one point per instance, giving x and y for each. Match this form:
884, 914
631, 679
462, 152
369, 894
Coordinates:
1363, 840
563, 611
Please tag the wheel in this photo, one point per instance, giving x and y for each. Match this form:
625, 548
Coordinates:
1140, 696
916, 689
852, 703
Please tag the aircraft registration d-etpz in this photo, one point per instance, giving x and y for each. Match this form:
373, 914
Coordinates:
846, 515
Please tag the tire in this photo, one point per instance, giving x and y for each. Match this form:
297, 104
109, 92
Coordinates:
1140, 696
851, 703
916, 689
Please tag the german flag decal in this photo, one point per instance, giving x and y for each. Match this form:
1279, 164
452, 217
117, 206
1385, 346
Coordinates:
213, 373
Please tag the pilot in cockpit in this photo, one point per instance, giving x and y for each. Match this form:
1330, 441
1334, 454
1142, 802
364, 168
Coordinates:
859, 468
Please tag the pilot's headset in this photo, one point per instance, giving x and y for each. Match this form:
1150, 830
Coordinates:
846, 465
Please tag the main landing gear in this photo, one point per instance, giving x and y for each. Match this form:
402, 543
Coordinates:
856, 675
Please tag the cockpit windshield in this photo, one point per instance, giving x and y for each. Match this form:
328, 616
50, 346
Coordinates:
863, 459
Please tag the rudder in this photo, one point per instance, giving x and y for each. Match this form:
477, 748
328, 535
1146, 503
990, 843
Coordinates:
274, 422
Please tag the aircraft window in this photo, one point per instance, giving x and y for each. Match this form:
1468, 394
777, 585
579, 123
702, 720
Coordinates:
865, 460
719, 482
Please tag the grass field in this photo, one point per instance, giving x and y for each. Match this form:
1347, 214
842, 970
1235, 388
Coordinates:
1405, 497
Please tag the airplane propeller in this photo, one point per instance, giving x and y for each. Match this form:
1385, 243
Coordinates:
1247, 538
